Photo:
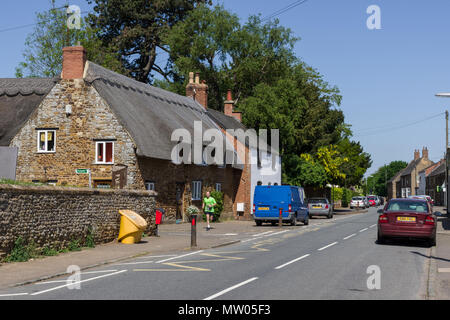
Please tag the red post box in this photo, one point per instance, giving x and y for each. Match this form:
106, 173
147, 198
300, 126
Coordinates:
158, 217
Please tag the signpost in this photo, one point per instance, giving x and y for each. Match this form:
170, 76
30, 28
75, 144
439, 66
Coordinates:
85, 171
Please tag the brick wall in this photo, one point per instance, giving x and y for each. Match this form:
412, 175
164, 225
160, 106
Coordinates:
166, 175
54, 216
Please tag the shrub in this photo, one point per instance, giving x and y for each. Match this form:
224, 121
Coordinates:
21, 252
47, 251
74, 245
89, 241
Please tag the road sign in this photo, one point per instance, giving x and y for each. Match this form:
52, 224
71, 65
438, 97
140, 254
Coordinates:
85, 171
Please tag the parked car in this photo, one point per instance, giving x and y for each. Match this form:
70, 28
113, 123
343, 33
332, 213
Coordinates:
366, 201
358, 202
424, 197
372, 201
320, 207
407, 218
268, 200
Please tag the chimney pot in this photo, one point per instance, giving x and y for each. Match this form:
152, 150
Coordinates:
191, 77
197, 78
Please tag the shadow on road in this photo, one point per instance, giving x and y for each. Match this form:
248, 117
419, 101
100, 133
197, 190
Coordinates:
433, 257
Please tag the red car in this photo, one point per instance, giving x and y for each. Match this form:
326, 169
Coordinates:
372, 201
407, 218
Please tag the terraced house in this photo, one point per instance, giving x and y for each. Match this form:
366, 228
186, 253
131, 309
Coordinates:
94, 126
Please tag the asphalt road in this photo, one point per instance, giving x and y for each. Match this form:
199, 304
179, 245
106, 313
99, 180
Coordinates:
329, 259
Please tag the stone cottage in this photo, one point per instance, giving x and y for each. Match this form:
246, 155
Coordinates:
95, 127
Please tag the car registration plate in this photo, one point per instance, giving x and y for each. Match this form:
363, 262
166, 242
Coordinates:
263, 208
317, 207
406, 219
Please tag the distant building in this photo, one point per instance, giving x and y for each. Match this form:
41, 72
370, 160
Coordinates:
407, 181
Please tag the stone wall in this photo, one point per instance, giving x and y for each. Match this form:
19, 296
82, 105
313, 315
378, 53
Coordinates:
54, 216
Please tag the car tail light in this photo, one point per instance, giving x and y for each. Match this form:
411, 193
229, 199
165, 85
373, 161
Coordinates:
254, 208
326, 207
383, 219
429, 220
290, 208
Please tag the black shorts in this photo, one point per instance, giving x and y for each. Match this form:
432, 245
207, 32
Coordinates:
210, 213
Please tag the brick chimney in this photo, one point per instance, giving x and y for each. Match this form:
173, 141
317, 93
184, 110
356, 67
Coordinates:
74, 60
198, 91
416, 154
228, 107
425, 153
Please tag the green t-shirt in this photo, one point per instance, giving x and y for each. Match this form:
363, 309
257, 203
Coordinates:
209, 202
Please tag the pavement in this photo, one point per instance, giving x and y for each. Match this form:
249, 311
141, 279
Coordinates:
440, 257
172, 238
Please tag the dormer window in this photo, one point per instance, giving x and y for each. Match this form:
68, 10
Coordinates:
46, 141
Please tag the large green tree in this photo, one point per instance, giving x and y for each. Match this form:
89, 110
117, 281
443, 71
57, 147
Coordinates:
135, 28
43, 46
228, 54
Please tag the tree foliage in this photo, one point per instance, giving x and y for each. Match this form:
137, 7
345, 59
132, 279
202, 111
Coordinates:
43, 46
135, 28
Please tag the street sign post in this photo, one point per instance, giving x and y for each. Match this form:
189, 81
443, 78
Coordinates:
85, 171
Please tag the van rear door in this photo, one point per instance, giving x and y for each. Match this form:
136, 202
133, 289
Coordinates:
268, 201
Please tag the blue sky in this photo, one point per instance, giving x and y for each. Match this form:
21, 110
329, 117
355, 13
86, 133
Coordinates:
387, 77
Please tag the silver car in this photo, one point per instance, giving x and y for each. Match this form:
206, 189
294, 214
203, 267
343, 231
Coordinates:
359, 202
320, 207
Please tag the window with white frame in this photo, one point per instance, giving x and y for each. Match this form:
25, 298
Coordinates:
219, 186
104, 152
196, 190
150, 185
46, 140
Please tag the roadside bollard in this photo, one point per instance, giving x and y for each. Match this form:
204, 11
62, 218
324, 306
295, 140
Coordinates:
280, 218
194, 231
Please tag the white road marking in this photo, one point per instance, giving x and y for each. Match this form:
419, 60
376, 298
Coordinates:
374, 225
363, 230
443, 270
260, 234
131, 263
184, 255
269, 235
13, 294
348, 237
161, 256
327, 246
230, 288
77, 282
99, 271
292, 261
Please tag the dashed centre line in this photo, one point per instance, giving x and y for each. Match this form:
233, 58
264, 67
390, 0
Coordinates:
327, 246
230, 289
363, 230
350, 236
292, 261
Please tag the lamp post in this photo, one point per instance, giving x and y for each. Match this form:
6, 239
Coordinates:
446, 95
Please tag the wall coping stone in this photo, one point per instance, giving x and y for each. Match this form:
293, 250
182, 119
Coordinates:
71, 190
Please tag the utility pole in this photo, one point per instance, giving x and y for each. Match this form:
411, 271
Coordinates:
446, 160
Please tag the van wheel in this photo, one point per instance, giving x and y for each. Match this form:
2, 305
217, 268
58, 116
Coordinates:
306, 222
258, 223
294, 220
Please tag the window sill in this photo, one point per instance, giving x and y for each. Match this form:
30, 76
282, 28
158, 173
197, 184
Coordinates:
46, 152
104, 163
